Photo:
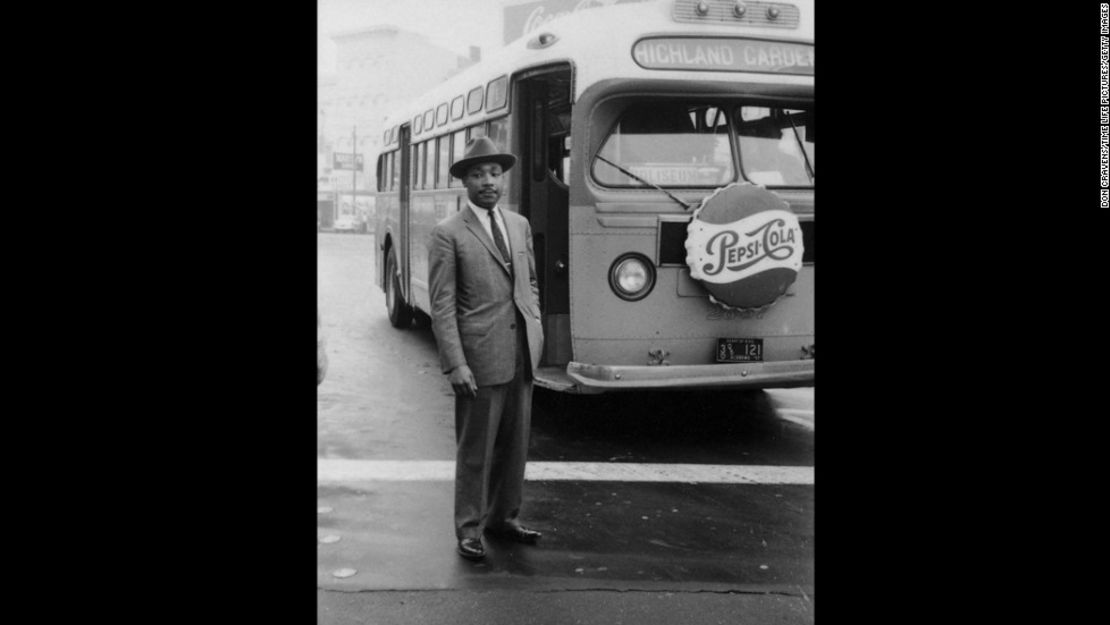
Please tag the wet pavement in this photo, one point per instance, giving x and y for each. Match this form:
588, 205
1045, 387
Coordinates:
613, 551
596, 535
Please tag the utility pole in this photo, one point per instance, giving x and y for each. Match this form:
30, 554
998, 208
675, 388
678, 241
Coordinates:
354, 168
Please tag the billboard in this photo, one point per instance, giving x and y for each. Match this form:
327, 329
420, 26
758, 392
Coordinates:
347, 160
525, 17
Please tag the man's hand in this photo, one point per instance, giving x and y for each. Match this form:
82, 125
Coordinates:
462, 380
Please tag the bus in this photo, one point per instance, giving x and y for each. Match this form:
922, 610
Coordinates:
666, 165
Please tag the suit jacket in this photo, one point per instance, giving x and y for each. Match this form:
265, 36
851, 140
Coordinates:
474, 298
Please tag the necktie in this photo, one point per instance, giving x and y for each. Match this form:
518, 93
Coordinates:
498, 239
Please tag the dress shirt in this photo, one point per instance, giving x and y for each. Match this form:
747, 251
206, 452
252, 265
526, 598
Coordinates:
483, 216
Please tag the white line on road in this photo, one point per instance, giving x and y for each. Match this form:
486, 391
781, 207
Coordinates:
801, 417
340, 470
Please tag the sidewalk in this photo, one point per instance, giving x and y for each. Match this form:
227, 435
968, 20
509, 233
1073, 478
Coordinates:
496, 607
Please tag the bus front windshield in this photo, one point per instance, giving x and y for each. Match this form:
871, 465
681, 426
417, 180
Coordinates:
692, 145
776, 146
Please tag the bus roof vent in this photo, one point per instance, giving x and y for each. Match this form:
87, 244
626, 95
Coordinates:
739, 12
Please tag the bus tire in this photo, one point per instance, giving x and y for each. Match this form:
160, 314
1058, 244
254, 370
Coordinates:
421, 319
400, 313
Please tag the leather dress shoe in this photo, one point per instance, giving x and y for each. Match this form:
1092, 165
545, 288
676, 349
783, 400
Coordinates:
518, 533
471, 548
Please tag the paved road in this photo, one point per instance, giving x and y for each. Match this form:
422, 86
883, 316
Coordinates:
722, 526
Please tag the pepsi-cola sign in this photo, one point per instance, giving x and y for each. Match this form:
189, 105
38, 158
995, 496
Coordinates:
744, 245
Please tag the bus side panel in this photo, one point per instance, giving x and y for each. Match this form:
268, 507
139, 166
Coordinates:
386, 233
428, 209
422, 219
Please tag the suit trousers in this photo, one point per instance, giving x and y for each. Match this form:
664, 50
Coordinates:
491, 431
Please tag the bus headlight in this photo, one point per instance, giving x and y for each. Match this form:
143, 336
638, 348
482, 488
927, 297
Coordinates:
632, 276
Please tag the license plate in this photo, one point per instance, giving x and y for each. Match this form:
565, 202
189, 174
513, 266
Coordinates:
739, 350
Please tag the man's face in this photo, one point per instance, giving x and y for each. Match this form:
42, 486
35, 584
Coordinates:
484, 183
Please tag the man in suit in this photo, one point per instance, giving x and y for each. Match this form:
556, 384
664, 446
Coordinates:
486, 320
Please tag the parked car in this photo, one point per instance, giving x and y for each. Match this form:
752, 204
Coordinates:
346, 223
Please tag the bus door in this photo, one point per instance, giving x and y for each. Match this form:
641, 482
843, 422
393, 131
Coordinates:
543, 135
403, 214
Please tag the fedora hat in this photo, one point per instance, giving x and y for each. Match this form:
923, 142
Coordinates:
481, 150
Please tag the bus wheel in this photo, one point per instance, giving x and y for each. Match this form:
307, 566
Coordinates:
400, 313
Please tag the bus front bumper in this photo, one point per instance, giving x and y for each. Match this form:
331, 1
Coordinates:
602, 378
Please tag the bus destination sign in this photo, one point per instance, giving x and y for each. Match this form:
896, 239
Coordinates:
724, 55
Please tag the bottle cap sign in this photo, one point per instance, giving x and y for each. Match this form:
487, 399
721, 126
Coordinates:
744, 245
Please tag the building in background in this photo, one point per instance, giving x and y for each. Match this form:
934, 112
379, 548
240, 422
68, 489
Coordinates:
377, 69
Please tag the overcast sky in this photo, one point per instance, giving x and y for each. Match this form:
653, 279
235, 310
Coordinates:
452, 24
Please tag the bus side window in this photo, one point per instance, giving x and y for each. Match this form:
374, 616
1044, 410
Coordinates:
458, 148
554, 157
499, 132
558, 143
566, 159
427, 156
443, 176
424, 165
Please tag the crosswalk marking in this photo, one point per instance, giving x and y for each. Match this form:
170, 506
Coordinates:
344, 470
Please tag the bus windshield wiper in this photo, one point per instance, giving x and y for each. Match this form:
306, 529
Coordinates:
650, 184
809, 168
